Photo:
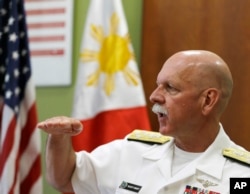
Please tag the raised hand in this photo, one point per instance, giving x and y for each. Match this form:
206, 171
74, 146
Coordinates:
61, 125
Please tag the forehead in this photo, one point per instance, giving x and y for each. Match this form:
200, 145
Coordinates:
173, 69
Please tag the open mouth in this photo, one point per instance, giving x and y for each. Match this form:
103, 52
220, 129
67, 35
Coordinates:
162, 114
159, 110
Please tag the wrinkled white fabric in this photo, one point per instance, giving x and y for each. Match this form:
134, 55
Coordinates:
150, 167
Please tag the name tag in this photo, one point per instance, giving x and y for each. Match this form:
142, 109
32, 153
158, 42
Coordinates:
129, 186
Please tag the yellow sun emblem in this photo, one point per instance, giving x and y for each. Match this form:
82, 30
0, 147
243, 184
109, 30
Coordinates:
113, 57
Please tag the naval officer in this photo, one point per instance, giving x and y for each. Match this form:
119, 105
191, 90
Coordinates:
190, 154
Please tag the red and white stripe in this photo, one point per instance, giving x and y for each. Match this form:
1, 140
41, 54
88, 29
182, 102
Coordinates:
49, 24
20, 164
46, 25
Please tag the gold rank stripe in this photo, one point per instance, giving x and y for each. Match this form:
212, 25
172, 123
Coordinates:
237, 154
148, 137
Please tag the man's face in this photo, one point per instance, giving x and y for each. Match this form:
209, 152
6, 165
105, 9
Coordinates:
178, 94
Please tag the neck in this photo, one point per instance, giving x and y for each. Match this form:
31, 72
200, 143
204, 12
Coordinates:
199, 140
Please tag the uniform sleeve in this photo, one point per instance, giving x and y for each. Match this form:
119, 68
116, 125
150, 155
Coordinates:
92, 169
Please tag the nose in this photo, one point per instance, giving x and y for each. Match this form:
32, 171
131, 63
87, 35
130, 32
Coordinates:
157, 96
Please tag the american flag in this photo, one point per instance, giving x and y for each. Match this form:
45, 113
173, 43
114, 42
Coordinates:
20, 157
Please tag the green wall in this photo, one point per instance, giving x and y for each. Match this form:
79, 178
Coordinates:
54, 101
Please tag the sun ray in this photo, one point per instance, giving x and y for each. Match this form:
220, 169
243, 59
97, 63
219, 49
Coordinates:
132, 56
114, 21
131, 76
109, 84
127, 37
93, 78
88, 55
97, 33
113, 57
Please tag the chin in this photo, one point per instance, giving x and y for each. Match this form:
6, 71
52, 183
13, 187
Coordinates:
164, 131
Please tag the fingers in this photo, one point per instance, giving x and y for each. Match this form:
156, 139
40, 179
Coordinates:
61, 125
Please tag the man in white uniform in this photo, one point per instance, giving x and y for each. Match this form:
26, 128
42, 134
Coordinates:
193, 90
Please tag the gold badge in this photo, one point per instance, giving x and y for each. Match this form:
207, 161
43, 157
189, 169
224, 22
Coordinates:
242, 156
148, 137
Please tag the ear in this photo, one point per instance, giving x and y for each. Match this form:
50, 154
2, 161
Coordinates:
211, 97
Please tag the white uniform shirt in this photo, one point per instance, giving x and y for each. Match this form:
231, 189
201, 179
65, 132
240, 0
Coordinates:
129, 167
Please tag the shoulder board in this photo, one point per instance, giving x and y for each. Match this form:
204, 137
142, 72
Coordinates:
150, 137
239, 155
